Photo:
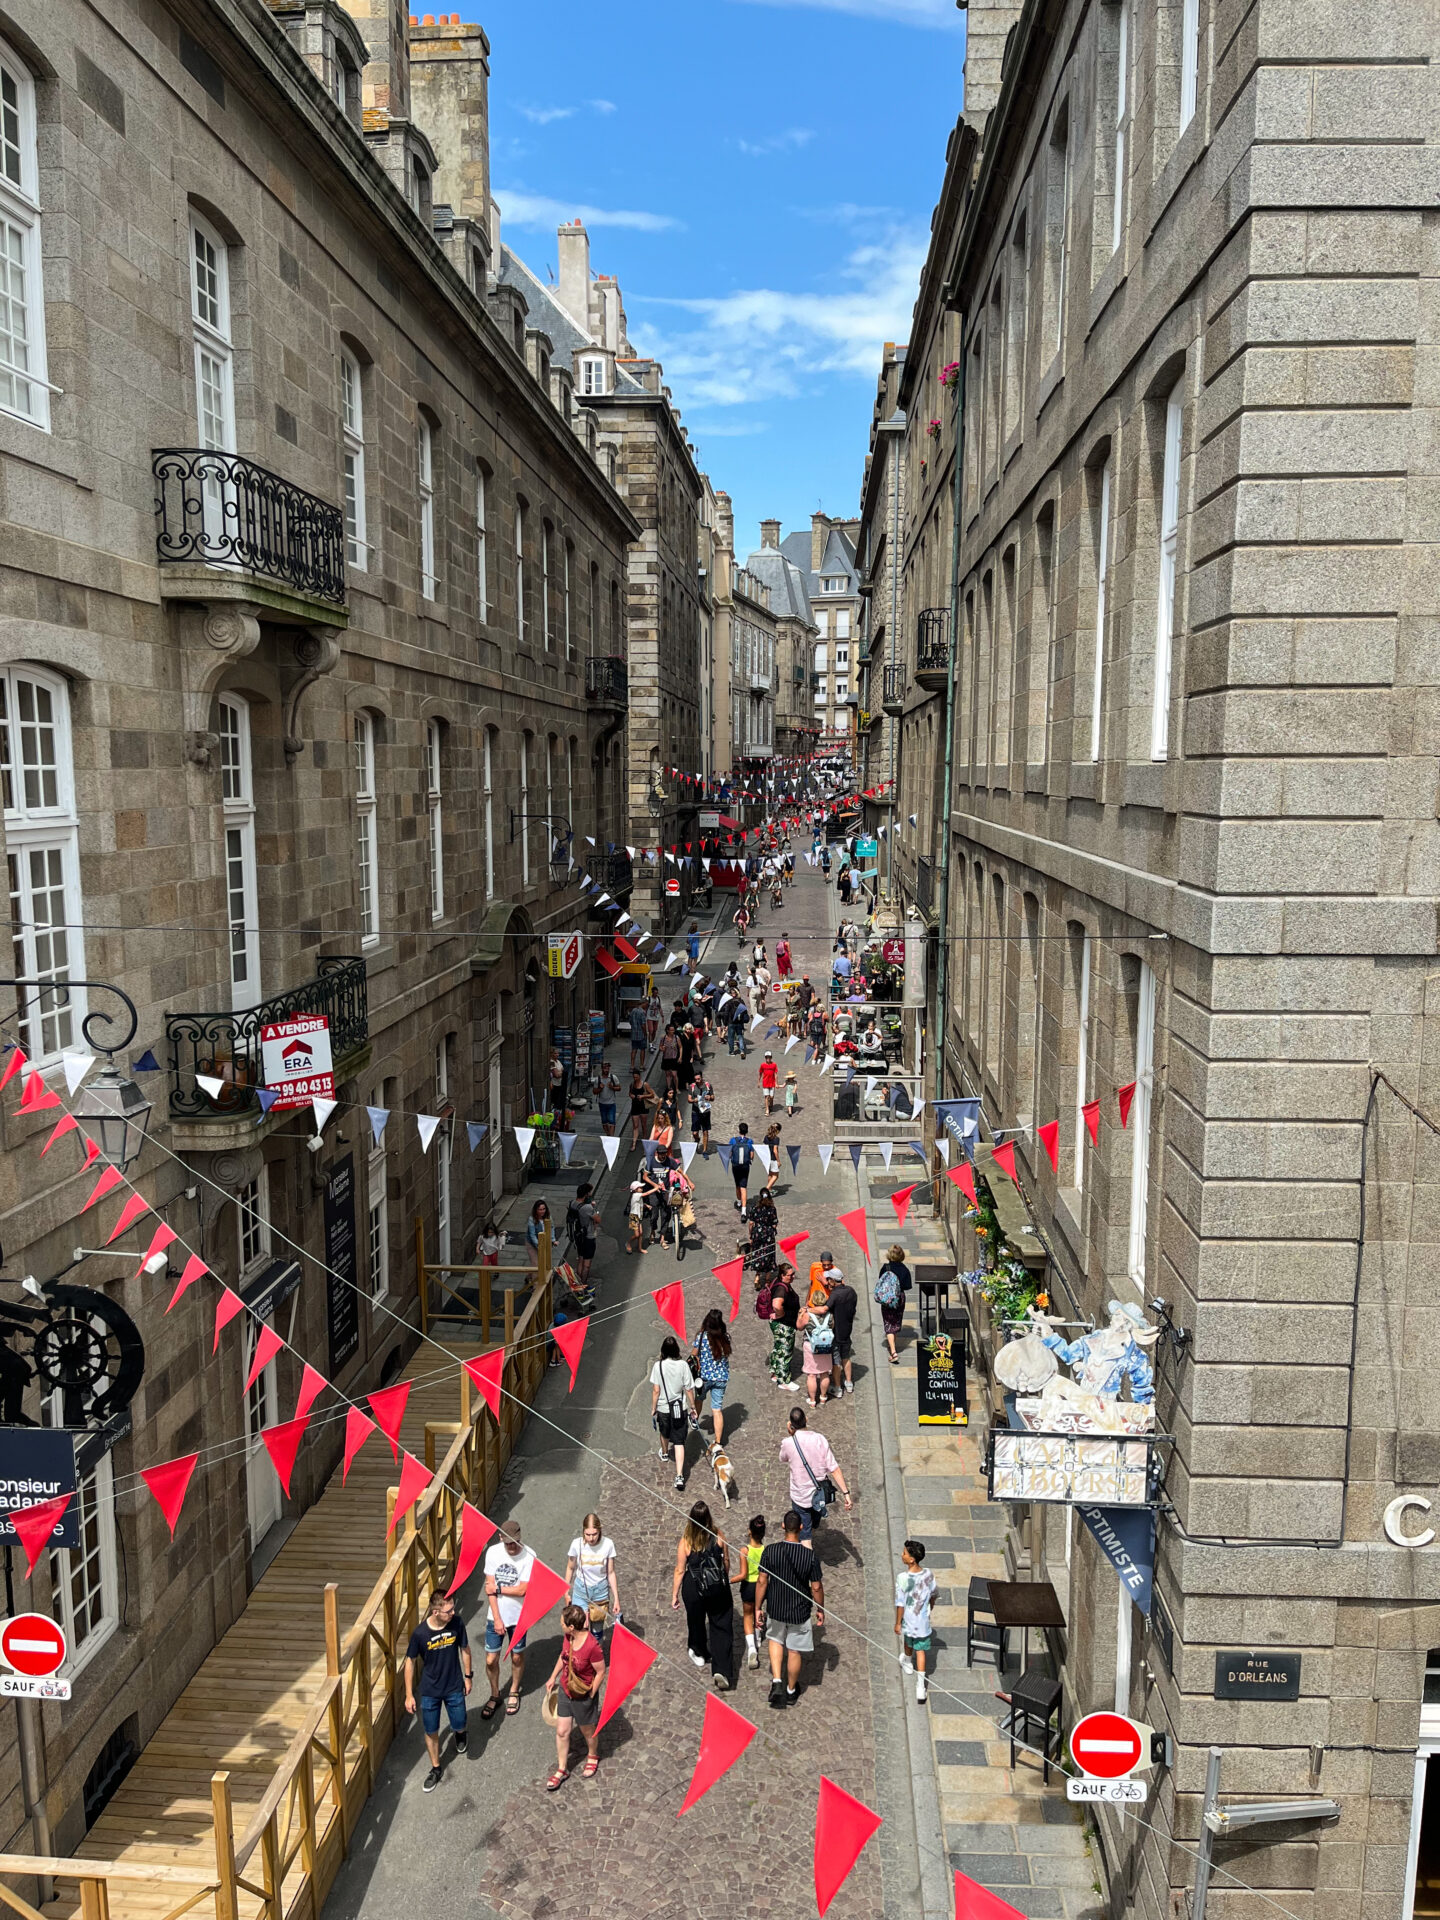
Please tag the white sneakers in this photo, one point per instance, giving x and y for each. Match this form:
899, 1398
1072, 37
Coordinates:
907, 1665
920, 1690
697, 1660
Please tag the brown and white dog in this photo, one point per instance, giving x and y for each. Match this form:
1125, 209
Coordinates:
722, 1469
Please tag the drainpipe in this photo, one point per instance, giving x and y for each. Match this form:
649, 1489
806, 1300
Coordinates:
895, 449
942, 958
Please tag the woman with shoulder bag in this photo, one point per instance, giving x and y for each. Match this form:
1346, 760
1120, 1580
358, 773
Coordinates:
784, 1312
575, 1682
702, 1585
672, 1404
590, 1573
891, 1286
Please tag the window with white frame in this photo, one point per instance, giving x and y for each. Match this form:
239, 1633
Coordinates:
520, 571
252, 1222
42, 839
842, 624
547, 534
352, 426
1140, 1110
425, 485
237, 794
842, 658
367, 860
83, 1579
437, 824
487, 792
592, 374
482, 584
1165, 611
1102, 580
378, 1211
1122, 119
214, 348
525, 739
24, 389
1189, 60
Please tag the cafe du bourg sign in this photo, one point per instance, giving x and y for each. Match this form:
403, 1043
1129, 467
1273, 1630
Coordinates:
295, 1060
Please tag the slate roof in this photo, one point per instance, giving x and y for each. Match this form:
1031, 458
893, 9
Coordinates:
547, 316
838, 558
789, 599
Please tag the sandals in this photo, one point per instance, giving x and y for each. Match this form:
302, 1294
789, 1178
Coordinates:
512, 1703
557, 1780
590, 1768
491, 1707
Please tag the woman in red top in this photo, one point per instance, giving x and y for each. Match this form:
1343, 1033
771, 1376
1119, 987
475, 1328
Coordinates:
769, 1075
782, 956
577, 1676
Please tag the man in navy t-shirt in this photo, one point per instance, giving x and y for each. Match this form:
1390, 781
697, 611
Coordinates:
742, 1156
442, 1646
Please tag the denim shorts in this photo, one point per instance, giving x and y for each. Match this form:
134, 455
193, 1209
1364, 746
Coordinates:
495, 1641
607, 1116
454, 1705
715, 1389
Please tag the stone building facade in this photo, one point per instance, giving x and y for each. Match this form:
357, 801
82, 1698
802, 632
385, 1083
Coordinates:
825, 559
797, 725
1179, 266
879, 545
310, 740
753, 672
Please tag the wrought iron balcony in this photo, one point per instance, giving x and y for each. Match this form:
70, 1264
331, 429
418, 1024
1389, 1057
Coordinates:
893, 699
222, 510
226, 1046
607, 680
932, 647
611, 872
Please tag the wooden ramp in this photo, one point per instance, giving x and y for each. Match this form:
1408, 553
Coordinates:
239, 1806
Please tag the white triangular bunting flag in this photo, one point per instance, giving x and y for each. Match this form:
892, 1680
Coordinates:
705, 863
631, 852
724, 1002
793, 1041
824, 1150
918, 1107
524, 1139
567, 1145
611, 1146
756, 1020
323, 1110
378, 1117
688, 1151
762, 1154
942, 1147
967, 1127
77, 1065
871, 1082
589, 839
672, 960
887, 1147
208, 1084
827, 1063
602, 900
427, 1124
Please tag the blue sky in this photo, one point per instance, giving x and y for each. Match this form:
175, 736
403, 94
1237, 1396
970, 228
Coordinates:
759, 174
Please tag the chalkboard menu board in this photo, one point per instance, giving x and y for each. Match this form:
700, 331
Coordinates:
940, 1380
342, 1301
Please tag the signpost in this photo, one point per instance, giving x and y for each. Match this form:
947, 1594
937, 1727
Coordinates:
295, 1059
33, 1646
672, 888
709, 822
564, 954
1133, 1792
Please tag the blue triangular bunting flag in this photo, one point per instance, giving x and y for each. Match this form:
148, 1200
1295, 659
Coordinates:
477, 1130
794, 1153
147, 1063
378, 1117
856, 1149
266, 1098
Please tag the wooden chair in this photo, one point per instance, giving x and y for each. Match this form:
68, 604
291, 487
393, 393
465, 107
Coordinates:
984, 1638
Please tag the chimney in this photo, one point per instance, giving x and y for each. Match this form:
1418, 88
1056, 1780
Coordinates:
573, 291
385, 83
450, 103
819, 529
987, 33
770, 533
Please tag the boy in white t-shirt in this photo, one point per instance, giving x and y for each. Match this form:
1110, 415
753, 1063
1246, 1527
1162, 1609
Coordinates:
914, 1597
508, 1566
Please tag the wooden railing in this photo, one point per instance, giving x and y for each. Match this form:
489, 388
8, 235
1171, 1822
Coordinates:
284, 1864
441, 1300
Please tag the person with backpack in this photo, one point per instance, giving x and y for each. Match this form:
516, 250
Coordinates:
702, 1586
672, 1404
582, 1224
816, 1326
892, 1284
844, 1305
735, 1017
742, 1158
784, 1311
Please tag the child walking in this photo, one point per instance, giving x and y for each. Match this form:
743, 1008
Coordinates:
747, 1573
914, 1597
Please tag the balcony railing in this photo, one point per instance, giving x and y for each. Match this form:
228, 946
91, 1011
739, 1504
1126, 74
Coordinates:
607, 681
613, 872
222, 510
759, 680
925, 886
893, 699
932, 645
226, 1046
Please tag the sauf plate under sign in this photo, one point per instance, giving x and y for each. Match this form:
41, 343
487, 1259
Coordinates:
1132, 1792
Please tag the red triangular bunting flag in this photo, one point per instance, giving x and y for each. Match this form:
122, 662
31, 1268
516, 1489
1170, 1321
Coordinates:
843, 1824
1125, 1095
37, 1097
92, 1154
282, 1443
730, 1276
569, 1336
964, 1178
792, 1241
35, 1525
266, 1348
15, 1064
486, 1373
1049, 1138
108, 1181
622, 945
388, 1407
312, 1385
670, 1305
358, 1429
724, 1737
415, 1476
67, 1123
854, 1224
475, 1535
159, 1240
1091, 1113
1004, 1158
608, 962
901, 1203
194, 1267
168, 1482
543, 1590
225, 1312
974, 1902
129, 1214
630, 1660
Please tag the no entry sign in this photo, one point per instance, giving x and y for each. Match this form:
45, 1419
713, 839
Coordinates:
32, 1644
1107, 1746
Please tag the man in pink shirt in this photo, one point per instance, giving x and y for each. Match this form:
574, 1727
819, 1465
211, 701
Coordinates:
809, 1458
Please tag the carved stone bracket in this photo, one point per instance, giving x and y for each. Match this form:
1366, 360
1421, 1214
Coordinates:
316, 651
230, 628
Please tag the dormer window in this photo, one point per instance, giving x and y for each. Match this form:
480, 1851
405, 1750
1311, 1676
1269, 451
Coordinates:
592, 374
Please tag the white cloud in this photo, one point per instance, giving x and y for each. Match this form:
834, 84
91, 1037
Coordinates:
787, 142
604, 106
905, 13
764, 343
542, 116
729, 430
520, 209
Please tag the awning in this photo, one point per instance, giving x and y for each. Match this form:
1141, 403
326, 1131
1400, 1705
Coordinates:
271, 1286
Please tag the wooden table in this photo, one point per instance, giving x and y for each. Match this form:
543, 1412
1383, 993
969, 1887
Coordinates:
1025, 1604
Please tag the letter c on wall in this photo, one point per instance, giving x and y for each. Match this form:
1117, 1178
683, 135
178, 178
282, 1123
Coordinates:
1394, 1514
